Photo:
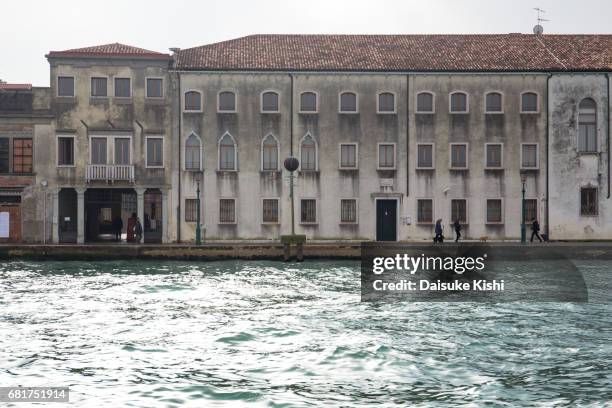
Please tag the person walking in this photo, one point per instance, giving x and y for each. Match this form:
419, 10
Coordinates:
535, 230
138, 230
457, 226
439, 237
118, 227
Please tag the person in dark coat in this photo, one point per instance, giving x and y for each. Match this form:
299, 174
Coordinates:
117, 227
457, 226
439, 237
138, 230
535, 230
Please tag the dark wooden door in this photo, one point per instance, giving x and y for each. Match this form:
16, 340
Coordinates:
386, 220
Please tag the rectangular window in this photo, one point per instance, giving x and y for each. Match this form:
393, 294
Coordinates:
348, 211
65, 151
123, 88
425, 102
191, 210
98, 150
386, 102
22, 155
99, 87
308, 102
531, 210
5, 153
494, 155
386, 156
270, 210
494, 211
458, 102
493, 103
588, 201
308, 211
154, 88
65, 86
155, 152
348, 156
122, 150
425, 211
425, 156
529, 156
587, 138
227, 210
459, 210
458, 156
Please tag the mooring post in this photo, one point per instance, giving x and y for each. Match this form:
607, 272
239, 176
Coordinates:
286, 252
300, 252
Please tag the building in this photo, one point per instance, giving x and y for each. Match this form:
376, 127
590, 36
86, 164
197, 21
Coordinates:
392, 132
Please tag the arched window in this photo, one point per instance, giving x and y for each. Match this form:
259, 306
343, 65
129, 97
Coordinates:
386, 102
308, 154
193, 153
269, 101
529, 102
587, 125
348, 102
227, 102
269, 153
425, 102
193, 101
308, 102
227, 153
493, 103
458, 102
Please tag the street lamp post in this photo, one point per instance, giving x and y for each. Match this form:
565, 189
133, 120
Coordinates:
198, 233
523, 233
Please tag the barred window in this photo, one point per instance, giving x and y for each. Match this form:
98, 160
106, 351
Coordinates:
348, 102
459, 210
588, 201
191, 210
531, 209
65, 151
22, 155
425, 211
308, 102
270, 210
308, 154
269, 101
494, 155
227, 210
65, 86
227, 153
308, 211
494, 211
587, 130
227, 101
348, 156
155, 152
458, 102
348, 211
386, 102
386, 156
425, 102
154, 88
99, 86
193, 101
529, 155
193, 153
123, 88
270, 153
425, 156
529, 102
458, 154
493, 102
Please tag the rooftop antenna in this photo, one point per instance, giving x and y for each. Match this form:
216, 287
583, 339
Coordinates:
538, 29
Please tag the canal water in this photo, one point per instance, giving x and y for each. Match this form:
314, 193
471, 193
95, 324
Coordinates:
268, 334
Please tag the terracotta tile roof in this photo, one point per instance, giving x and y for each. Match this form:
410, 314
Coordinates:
109, 50
15, 87
491, 52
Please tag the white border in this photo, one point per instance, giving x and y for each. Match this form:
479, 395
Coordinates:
340, 111
433, 156
278, 100
356, 211
316, 211
316, 103
74, 155
131, 87
340, 167
488, 112
91, 78
467, 103
162, 89
394, 111
219, 152
486, 211
57, 95
537, 166
450, 155
263, 139
486, 156
185, 152
537, 102
467, 210
235, 212
233, 92
278, 213
378, 167
397, 217
201, 101
316, 152
433, 211
147, 152
433, 103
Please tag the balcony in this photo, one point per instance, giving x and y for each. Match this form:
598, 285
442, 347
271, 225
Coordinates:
109, 173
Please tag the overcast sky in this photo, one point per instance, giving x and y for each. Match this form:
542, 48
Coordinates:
29, 29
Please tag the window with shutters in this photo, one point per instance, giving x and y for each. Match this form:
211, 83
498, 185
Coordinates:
155, 152
348, 155
154, 88
588, 201
459, 156
227, 153
227, 211
269, 102
308, 102
308, 211
348, 102
494, 155
494, 211
425, 102
123, 88
459, 210
529, 155
308, 154
270, 210
529, 102
193, 101
98, 150
493, 103
65, 86
425, 211
5, 154
386, 102
386, 156
122, 150
348, 211
587, 126
193, 153
65, 150
269, 153
99, 87
458, 102
425, 159
226, 102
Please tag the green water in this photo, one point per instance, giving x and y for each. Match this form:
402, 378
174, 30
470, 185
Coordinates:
267, 334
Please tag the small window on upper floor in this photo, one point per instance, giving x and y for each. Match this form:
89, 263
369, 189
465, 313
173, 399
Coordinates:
386, 102
308, 102
99, 87
458, 102
587, 126
493, 103
227, 102
123, 88
269, 102
154, 88
65, 86
425, 102
529, 102
193, 101
348, 102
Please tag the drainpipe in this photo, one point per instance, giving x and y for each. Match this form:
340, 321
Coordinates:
180, 134
547, 229
407, 135
608, 127
291, 115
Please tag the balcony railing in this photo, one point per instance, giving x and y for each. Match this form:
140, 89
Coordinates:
109, 173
